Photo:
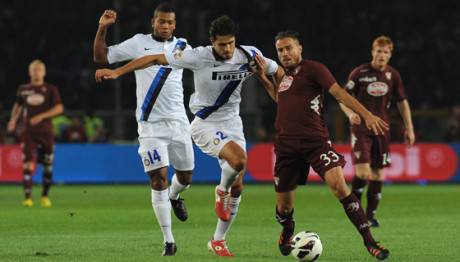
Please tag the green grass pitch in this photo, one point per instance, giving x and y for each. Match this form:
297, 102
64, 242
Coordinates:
116, 223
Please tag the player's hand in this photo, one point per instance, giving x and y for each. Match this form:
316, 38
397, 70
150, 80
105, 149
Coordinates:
105, 74
11, 126
376, 124
354, 119
35, 120
260, 66
410, 136
108, 18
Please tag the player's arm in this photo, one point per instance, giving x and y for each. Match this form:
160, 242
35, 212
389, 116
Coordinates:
352, 116
404, 110
15, 112
270, 85
54, 111
143, 62
100, 46
373, 122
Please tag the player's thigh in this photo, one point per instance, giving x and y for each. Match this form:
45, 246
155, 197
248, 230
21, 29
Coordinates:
181, 154
363, 170
380, 152
377, 174
322, 156
361, 148
291, 169
154, 139
46, 147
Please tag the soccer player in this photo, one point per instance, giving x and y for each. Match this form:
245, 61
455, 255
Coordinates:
302, 138
36, 103
217, 130
374, 84
163, 126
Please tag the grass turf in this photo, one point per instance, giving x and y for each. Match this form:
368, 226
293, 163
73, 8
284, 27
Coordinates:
116, 223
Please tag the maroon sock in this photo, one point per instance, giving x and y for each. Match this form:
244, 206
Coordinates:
374, 193
357, 186
355, 213
27, 183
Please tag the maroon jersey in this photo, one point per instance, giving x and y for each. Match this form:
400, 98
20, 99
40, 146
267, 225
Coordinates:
374, 89
35, 100
300, 102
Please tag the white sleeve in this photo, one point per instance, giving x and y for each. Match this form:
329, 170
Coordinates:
188, 58
123, 51
272, 66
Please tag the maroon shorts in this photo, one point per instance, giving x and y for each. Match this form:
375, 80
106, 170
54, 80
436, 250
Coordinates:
294, 157
36, 145
371, 149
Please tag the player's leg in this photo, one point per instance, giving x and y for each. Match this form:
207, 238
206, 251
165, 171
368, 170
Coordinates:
28, 154
285, 217
182, 159
352, 206
218, 243
361, 158
46, 156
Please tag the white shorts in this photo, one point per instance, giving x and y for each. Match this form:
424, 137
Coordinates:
164, 143
212, 136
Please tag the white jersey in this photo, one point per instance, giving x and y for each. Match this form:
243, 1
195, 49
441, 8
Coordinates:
217, 83
159, 90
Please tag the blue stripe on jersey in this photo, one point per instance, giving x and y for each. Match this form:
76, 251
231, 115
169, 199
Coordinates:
180, 45
154, 91
221, 100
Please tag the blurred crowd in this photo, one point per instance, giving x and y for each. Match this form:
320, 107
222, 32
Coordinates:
337, 33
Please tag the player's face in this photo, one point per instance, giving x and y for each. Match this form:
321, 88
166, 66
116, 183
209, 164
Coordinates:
37, 72
164, 24
224, 46
289, 52
381, 55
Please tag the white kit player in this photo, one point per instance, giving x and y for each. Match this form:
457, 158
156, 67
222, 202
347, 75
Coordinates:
163, 126
217, 130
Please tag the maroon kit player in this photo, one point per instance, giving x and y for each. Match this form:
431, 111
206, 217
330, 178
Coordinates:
373, 85
36, 103
302, 138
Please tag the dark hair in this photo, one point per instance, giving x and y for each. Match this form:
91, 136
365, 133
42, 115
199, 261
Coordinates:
223, 25
288, 34
165, 7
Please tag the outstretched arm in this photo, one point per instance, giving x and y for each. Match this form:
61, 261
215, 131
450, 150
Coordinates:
373, 122
99, 46
143, 62
404, 110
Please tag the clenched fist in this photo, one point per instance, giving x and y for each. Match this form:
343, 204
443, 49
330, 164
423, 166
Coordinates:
108, 18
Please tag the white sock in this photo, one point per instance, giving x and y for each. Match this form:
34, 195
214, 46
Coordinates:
176, 187
227, 177
162, 209
224, 226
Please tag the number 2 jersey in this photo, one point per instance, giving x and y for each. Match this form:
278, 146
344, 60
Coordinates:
159, 91
217, 82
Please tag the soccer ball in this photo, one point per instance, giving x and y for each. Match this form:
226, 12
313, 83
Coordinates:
306, 246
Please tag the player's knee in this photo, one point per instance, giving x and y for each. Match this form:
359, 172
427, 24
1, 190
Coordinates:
184, 177
239, 164
158, 180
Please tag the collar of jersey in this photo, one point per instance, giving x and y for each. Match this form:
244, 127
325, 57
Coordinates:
161, 39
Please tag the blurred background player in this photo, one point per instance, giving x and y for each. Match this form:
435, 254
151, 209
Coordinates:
303, 138
374, 84
36, 103
163, 126
219, 71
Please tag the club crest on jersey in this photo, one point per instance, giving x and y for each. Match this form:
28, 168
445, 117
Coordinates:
388, 75
35, 99
377, 89
285, 83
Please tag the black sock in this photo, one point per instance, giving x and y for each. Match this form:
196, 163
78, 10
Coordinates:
373, 198
357, 186
47, 181
286, 219
27, 183
355, 213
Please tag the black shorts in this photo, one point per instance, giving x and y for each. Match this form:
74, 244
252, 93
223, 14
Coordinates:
371, 149
35, 145
294, 157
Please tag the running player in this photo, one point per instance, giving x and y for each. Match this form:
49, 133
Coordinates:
303, 139
374, 84
219, 71
163, 126
37, 102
